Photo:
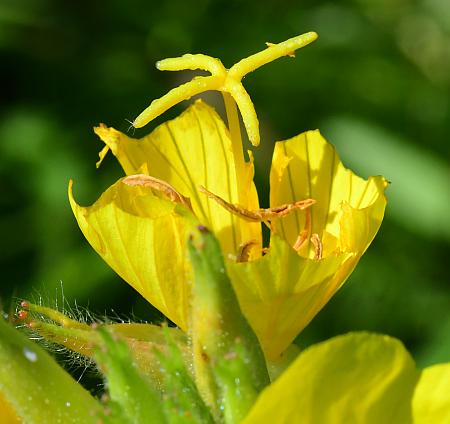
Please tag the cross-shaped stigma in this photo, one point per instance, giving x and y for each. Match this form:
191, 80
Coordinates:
221, 79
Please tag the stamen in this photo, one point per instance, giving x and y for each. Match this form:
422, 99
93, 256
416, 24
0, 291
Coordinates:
304, 234
101, 156
245, 249
260, 215
158, 185
317, 243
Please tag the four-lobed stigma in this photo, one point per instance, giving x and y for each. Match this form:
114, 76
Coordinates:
228, 81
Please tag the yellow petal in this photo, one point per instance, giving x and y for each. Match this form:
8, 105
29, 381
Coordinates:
142, 237
356, 378
431, 401
7, 413
307, 166
190, 151
281, 292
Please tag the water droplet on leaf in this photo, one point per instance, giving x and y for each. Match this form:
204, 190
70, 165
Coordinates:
30, 355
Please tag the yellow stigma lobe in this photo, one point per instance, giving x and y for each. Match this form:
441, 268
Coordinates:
221, 79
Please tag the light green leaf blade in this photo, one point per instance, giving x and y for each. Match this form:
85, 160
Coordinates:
38, 389
134, 400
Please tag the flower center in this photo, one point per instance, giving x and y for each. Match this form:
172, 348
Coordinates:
266, 215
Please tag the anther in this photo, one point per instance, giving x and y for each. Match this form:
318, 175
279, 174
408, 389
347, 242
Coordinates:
317, 243
158, 185
259, 215
304, 234
245, 250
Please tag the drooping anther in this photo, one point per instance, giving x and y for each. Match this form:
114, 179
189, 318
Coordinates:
245, 250
158, 185
259, 215
317, 243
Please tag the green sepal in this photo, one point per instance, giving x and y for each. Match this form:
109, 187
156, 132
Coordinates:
38, 389
132, 397
182, 401
219, 330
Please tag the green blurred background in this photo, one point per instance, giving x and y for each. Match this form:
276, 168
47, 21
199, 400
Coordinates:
376, 83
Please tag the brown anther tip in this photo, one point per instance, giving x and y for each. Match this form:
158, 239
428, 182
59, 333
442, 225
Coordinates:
306, 203
31, 324
318, 247
134, 180
25, 304
94, 326
22, 315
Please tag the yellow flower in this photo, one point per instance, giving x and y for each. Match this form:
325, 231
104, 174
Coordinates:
192, 170
356, 378
8, 414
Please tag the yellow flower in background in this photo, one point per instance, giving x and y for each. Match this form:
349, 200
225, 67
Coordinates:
192, 170
7, 412
356, 378
312, 253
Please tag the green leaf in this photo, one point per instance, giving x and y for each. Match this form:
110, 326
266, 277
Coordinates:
182, 400
38, 389
133, 399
